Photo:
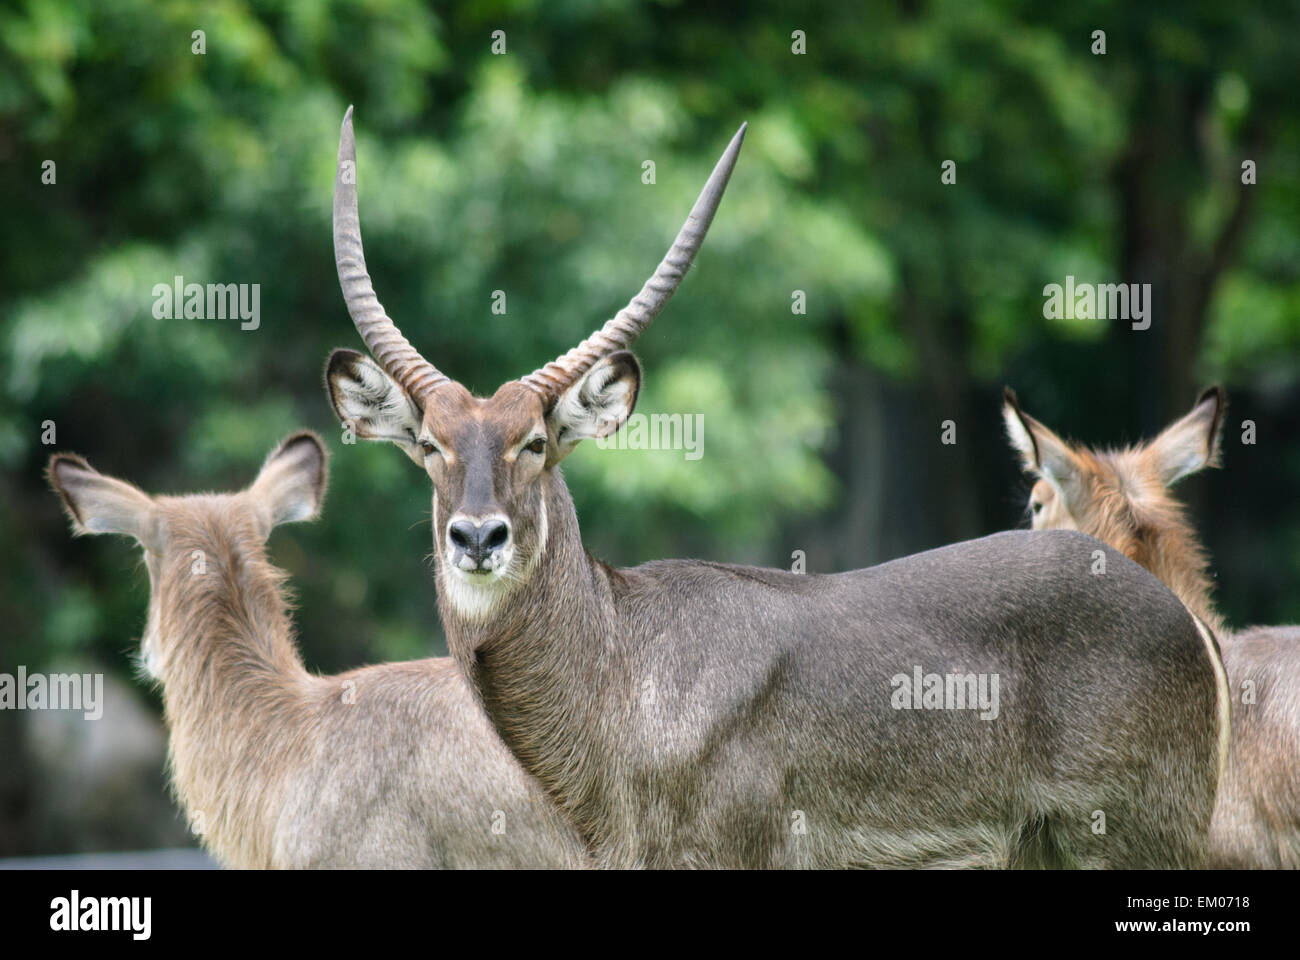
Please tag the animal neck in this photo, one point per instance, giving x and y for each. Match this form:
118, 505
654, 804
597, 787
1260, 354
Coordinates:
1189, 578
1165, 545
234, 690
543, 654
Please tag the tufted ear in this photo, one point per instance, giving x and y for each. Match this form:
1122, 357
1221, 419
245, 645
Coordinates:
1191, 443
1042, 452
597, 405
99, 504
368, 401
291, 484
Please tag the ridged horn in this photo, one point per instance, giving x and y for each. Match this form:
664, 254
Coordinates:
385, 342
619, 332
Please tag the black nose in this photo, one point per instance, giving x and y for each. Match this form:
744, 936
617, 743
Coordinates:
478, 542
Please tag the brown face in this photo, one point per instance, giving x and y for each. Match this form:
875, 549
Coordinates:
485, 459
1081, 490
1122, 497
1047, 510
1118, 497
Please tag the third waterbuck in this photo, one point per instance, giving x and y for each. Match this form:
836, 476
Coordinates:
385, 766
987, 704
1123, 498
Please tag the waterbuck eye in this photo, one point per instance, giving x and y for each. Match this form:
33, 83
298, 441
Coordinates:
536, 446
428, 447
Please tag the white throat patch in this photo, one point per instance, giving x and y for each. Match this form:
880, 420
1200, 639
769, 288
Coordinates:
473, 599
475, 596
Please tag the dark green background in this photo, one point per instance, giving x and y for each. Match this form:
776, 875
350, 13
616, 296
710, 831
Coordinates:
522, 173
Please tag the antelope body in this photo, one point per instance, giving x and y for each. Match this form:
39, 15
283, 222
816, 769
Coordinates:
685, 713
1123, 498
385, 766
1257, 818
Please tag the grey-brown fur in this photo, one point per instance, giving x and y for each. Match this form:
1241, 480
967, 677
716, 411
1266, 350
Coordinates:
1125, 498
695, 714
770, 694
1257, 820
386, 766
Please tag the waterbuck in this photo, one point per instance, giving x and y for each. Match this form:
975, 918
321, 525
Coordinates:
986, 704
386, 766
1123, 497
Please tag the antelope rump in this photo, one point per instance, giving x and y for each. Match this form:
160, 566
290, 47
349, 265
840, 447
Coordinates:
1123, 497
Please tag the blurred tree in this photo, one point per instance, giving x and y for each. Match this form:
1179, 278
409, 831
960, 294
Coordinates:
522, 173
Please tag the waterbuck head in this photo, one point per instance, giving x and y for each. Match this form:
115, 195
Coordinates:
488, 458
182, 535
1123, 496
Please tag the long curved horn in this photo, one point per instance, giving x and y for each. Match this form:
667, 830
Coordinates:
385, 342
619, 332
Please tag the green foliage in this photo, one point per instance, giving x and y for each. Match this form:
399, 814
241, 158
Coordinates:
523, 173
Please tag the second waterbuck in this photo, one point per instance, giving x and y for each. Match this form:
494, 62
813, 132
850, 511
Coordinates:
987, 704
381, 767
1123, 497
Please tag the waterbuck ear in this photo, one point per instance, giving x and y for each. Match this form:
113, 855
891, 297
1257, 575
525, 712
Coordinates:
99, 504
369, 402
291, 484
1192, 443
1041, 451
597, 405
